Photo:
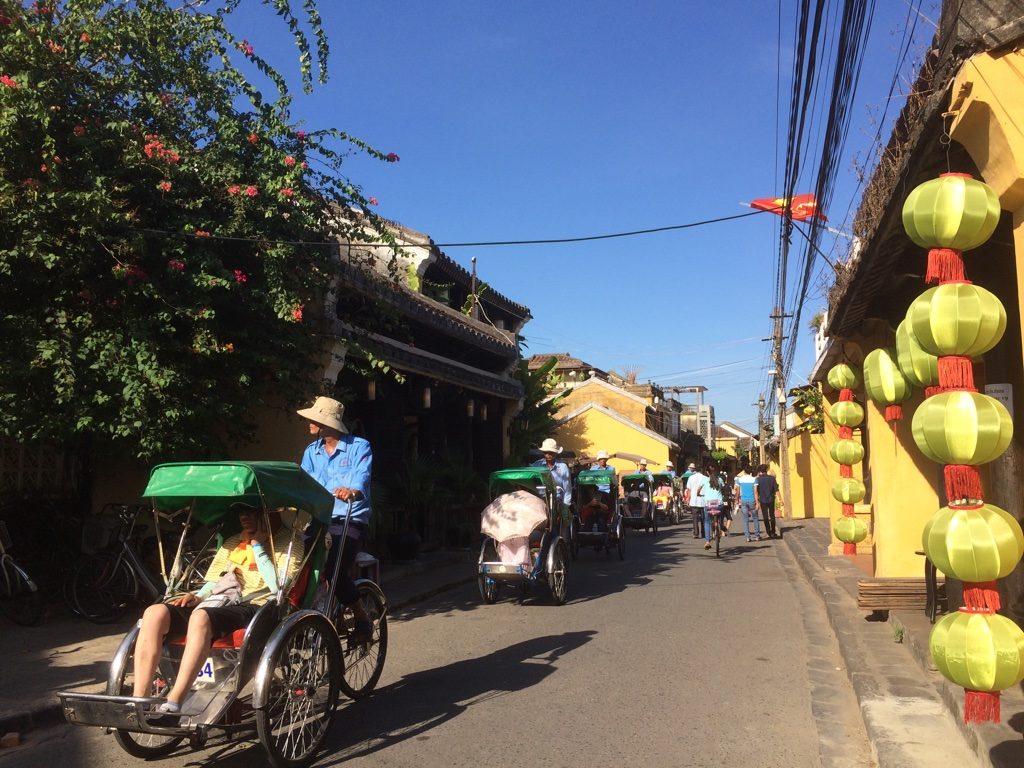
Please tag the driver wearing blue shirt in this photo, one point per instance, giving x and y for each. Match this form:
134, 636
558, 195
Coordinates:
341, 463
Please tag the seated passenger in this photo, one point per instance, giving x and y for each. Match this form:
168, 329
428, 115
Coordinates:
245, 554
593, 511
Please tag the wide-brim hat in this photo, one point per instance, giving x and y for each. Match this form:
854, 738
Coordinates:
327, 412
669, 464
642, 462
602, 455
550, 446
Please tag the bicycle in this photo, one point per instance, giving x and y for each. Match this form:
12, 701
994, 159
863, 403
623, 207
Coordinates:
19, 596
716, 526
104, 585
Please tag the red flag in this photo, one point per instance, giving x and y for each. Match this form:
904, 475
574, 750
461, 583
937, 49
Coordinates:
802, 207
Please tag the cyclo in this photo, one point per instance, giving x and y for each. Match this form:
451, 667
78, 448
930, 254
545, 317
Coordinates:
282, 674
666, 500
637, 503
523, 534
602, 535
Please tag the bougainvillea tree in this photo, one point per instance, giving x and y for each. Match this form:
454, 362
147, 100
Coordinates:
162, 222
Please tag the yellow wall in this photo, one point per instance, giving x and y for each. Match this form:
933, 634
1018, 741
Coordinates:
809, 468
594, 431
619, 402
902, 491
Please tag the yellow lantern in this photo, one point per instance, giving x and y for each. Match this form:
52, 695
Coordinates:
884, 382
850, 530
974, 544
962, 428
952, 211
957, 319
848, 490
920, 368
982, 652
843, 376
847, 452
846, 413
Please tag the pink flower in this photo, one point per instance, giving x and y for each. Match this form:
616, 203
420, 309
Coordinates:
79, 130
241, 277
392, 157
304, 165
373, 201
85, 38
166, 98
5, 20
301, 135
164, 186
289, 161
176, 265
251, 191
202, 233
54, 47
253, 138
9, 81
31, 184
234, 189
297, 313
245, 48
43, 168
287, 192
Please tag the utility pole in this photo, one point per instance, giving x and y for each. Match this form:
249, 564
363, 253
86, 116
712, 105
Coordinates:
780, 392
760, 430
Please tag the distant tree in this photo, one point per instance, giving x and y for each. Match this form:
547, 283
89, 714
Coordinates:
536, 420
156, 210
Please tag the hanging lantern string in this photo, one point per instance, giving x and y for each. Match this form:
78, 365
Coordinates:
956, 372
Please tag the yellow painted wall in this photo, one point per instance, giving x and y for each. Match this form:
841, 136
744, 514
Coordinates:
594, 431
620, 402
809, 469
902, 491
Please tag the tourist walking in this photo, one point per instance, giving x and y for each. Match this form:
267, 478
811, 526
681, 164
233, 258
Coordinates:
710, 493
767, 490
745, 492
693, 499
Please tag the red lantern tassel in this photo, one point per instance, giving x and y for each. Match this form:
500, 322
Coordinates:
893, 412
962, 482
945, 265
981, 706
845, 470
847, 510
930, 391
845, 394
845, 433
956, 372
849, 548
982, 596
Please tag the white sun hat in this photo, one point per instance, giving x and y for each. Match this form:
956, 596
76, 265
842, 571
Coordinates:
550, 446
327, 412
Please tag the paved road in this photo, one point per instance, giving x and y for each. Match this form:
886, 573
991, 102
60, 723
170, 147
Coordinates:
669, 658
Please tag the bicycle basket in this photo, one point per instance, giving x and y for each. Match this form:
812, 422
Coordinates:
97, 530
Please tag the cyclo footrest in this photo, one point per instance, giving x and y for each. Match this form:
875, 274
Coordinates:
503, 570
124, 712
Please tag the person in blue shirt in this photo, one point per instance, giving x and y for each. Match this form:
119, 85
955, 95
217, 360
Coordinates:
341, 463
559, 473
602, 463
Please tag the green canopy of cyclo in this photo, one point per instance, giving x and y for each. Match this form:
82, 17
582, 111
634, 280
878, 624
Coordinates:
635, 479
596, 477
216, 485
663, 477
530, 478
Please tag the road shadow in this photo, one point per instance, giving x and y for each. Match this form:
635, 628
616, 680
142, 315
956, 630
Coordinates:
598, 574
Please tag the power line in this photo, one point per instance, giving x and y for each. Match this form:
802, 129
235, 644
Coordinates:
481, 244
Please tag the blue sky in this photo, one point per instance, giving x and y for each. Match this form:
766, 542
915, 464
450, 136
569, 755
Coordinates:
531, 120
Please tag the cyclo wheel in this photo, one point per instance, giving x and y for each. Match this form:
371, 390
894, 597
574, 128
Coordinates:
557, 572
19, 596
144, 745
574, 538
364, 662
487, 587
303, 676
103, 587
654, 522
622, 541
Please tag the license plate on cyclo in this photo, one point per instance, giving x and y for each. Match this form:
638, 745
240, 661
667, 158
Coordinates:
206, 672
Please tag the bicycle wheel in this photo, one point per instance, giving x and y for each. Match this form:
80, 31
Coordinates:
364, 662
103, 587
718, 537
19, 597
200, 566
145, 745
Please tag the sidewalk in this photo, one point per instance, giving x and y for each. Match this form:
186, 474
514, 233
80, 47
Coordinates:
66, 652
907, 706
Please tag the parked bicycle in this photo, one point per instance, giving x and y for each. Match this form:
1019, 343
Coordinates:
106, 584
19, 597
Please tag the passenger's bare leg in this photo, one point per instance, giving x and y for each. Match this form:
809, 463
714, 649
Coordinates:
156, 622
197, 648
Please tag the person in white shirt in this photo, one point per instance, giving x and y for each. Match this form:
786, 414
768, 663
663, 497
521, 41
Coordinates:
693, 499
